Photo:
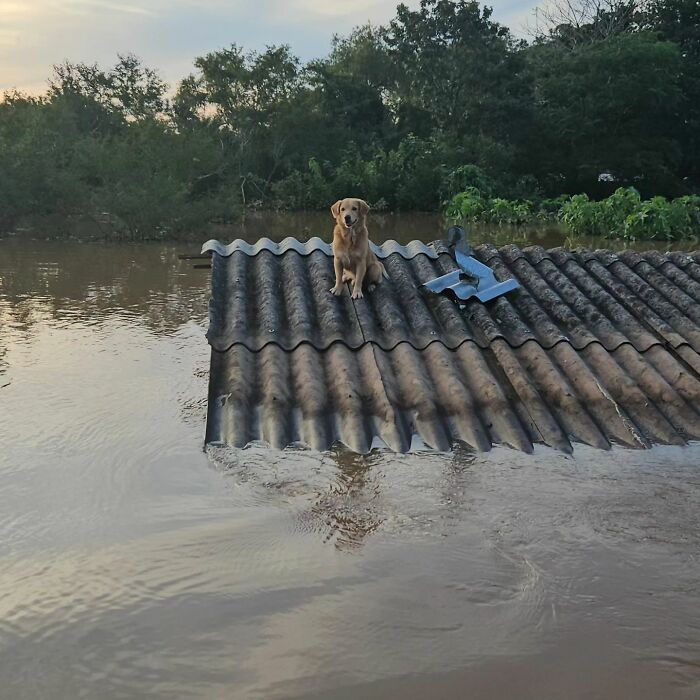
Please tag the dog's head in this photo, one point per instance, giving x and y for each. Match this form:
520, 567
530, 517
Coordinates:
347, 212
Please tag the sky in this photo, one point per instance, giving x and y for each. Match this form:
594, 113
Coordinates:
169, 34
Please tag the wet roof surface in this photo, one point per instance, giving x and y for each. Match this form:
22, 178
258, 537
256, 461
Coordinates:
594, 347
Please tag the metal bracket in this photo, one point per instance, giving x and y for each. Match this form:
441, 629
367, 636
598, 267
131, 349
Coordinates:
473, 279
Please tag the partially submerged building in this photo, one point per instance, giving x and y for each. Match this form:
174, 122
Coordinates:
593, 347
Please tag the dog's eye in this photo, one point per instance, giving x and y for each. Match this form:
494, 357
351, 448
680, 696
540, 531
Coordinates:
354, 208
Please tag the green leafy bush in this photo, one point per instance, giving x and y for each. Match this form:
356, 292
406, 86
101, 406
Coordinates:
622, 215
506, 211
466, 206
470, 205
580, 215
625, 215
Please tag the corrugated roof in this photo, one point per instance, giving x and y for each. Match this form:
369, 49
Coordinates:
306, 247
595, 346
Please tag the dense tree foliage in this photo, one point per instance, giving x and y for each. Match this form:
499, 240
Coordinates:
440, 100
607, 108
678, 21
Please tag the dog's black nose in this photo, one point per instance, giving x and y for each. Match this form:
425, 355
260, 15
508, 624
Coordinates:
348, 218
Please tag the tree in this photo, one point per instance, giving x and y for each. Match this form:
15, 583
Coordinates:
442, 98
457, 70
244, 98
575, 22
240, 91
678, 21
351, 90
129, 90
592, 119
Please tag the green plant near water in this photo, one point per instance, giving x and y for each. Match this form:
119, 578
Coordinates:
622, 215
626, 215
466, 206
507, 211
471, 205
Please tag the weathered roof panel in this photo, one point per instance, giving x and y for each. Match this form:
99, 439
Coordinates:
284, 298
314, 243
591, 297
516, 397
594, 347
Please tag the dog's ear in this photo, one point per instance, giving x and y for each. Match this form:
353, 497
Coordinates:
335, 209
364, 207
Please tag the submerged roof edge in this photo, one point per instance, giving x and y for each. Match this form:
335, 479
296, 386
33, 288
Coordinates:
390, 247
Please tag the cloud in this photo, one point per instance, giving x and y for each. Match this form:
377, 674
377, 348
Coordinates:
169, 34
361, 10
12, 10
9, 37
115, 7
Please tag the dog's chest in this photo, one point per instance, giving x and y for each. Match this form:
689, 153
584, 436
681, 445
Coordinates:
349, 251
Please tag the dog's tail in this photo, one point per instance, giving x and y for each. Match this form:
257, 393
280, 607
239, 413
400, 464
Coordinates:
385, 274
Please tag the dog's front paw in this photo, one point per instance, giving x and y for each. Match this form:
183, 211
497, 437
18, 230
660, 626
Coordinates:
357, 294
337, 290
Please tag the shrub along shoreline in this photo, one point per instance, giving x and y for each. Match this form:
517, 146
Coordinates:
622, 215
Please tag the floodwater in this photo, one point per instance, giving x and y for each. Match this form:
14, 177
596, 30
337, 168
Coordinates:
135, 565
382, 226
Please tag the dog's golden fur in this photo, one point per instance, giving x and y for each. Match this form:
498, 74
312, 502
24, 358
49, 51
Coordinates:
353, 258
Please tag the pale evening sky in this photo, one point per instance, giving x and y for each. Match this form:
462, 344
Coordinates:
168, 34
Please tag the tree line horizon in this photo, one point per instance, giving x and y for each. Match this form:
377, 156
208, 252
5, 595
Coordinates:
441, 99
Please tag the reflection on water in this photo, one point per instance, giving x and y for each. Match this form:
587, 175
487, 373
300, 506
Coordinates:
135, 565
96, 281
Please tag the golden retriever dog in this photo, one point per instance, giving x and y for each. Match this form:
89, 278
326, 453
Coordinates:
353, 258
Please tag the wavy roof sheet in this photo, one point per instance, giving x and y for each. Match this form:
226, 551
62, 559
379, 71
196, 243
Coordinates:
594, 347
306, 247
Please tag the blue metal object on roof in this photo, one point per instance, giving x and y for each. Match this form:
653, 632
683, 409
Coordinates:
473, 279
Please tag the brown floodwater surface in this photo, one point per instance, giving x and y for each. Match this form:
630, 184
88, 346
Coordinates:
135, 565
422, 226
382, 226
